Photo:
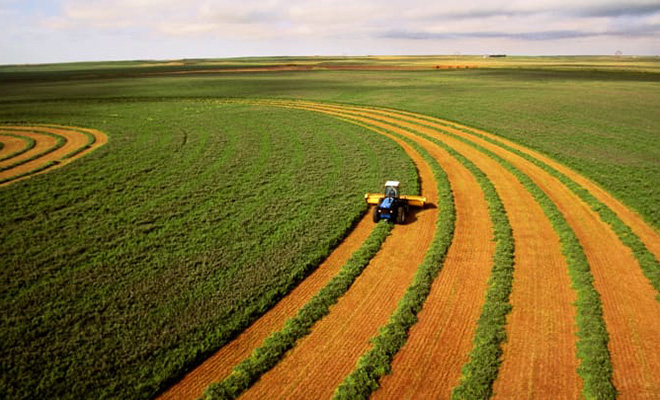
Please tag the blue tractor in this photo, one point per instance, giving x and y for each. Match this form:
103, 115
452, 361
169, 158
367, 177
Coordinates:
391, 205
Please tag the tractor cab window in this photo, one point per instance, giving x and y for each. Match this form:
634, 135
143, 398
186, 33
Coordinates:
391, 191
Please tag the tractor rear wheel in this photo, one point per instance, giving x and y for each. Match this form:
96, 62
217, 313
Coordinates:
401, 215
376, 215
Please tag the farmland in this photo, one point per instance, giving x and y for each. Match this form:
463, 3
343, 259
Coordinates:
217, 194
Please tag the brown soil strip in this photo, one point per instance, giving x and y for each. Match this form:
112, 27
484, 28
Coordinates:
429, 364
320, 361
43, 143
219, 365
75, 140
646, 233
630, 310
540, 355
12, 145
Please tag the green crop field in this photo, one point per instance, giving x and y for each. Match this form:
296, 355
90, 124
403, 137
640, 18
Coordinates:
128, 267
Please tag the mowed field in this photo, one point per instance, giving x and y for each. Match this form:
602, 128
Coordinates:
177, 235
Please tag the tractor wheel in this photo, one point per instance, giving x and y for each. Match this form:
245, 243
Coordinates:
401, 215
376, 215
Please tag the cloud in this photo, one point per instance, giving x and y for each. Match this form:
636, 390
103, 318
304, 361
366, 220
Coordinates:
525, 36
230, 27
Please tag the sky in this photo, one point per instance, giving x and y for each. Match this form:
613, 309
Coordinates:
41, 31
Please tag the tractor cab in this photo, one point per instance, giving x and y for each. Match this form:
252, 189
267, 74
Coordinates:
392, 189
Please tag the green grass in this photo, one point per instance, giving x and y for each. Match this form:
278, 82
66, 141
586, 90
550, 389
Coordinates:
273, 349
601, 123
114, 265
120, 272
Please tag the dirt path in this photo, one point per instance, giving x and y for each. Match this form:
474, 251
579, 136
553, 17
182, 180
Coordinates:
536, 360
219, 365
320, 361
74, 138
11, 145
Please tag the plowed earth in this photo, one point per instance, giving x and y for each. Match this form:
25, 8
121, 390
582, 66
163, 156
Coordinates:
540, 357
55, 146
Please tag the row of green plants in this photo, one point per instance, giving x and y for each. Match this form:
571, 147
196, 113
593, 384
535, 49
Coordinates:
478, 374
60, 141
273, 349
647, 261
30, 143
375, 363
38, 169
91, 139
595, 368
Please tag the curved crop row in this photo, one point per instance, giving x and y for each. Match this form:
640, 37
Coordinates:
276, 345
60, 141
624, 319
478, 377
596, 369
647, 261
67, 147
29, 145
376, 362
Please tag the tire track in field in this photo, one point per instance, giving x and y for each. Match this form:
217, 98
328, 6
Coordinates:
319, 362
630, 310
541, 296
55, 147
219, 365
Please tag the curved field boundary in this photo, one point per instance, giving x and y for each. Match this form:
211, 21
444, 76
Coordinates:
544, 344
54, 146
218, 367
44, 144
14, 145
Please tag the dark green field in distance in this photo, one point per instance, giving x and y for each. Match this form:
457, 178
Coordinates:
600, 121
112, 265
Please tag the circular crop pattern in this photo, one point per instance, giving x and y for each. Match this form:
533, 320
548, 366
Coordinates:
31, 149
529, 294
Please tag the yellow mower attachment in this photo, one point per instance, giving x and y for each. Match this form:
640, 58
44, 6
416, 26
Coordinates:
415, 201
391, 205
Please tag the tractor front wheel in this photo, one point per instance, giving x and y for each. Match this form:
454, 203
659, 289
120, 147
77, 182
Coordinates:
376, 215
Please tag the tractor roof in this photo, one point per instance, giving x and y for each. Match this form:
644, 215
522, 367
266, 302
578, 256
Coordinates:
392, 183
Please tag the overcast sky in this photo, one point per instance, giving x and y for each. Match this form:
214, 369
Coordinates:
37, 31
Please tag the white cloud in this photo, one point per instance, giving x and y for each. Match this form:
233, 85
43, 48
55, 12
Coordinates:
336, 26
